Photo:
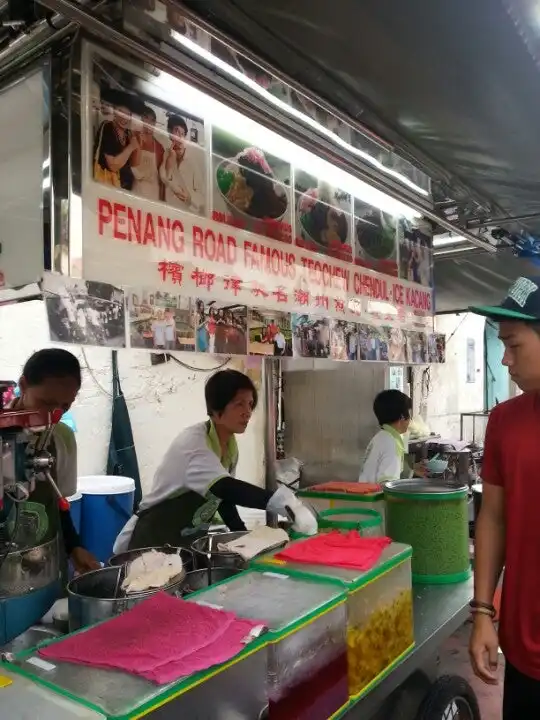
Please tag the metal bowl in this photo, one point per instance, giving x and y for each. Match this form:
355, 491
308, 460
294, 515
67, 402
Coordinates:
201, 579
97, 596
130, 555
206, 553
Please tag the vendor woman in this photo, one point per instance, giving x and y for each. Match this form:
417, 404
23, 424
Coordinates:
196, 478
385, 457
51, 380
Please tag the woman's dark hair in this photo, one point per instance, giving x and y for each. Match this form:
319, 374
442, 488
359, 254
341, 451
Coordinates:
51, 363
390, 406
147, 111
222, 387
176, 121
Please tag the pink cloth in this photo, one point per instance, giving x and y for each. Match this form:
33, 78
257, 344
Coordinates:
345, 550
162, 639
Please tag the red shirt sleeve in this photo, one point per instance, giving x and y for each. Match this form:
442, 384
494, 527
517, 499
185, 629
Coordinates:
491, 464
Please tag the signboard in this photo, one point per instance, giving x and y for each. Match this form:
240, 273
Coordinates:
175, 204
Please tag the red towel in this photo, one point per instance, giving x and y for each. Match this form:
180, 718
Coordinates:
346, 550
162, 639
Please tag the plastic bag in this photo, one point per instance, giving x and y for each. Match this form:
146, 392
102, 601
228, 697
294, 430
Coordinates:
288, 470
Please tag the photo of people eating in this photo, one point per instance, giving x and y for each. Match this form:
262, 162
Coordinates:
374, 344
220, 328
343, 340
311, 336
269, 333
416, 251
141, 146
160, 321
84, 312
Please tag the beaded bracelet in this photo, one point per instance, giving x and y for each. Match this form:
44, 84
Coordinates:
483, 611
477, 604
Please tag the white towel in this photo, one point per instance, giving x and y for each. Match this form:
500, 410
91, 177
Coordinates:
255, 542
152, 570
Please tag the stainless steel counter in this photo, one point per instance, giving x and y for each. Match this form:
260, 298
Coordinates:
439, 610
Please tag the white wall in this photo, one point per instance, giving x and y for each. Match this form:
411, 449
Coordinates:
442, 391
162, 400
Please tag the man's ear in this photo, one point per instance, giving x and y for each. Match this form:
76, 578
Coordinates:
23, 385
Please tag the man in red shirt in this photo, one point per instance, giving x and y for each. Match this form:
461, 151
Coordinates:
508, 528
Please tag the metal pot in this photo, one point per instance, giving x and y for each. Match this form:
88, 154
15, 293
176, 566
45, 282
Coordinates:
130, 555
24, 571
97, 596
201, 579
206, 553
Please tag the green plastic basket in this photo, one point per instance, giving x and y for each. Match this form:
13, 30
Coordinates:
369, 523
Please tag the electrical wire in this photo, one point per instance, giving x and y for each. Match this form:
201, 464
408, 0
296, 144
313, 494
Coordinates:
4, 535
196, 369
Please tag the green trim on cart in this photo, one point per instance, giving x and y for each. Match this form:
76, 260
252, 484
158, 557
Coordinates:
442, 579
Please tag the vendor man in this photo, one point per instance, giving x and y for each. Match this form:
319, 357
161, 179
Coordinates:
196, 478
51, 380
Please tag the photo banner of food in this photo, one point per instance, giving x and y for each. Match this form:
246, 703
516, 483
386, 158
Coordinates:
436, 348
310, 336
416, 251
375, 236
160, 321
343, 340
250, 188
144, 147
322, 217
220, 328
82, 312
269, 333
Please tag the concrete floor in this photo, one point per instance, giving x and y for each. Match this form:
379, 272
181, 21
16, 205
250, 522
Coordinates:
454, 659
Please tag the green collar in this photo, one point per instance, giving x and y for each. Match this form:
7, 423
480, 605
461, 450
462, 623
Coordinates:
230, 458
397, 437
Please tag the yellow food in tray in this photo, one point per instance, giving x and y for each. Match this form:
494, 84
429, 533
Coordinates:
373, 646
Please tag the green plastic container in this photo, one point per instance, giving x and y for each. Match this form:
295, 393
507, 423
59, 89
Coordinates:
379, 610
240, 685
322, 500
432, 516
369, 523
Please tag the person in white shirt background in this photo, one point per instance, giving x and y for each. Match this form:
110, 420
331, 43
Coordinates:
158, 331
385, 457
279, 342
170, 330
180, 172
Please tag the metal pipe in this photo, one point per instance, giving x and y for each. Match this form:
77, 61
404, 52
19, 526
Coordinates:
269, 385
474, 224
106, 33
27, 46
281, 76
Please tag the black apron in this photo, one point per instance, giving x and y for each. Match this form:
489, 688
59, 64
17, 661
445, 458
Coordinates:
169, 523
